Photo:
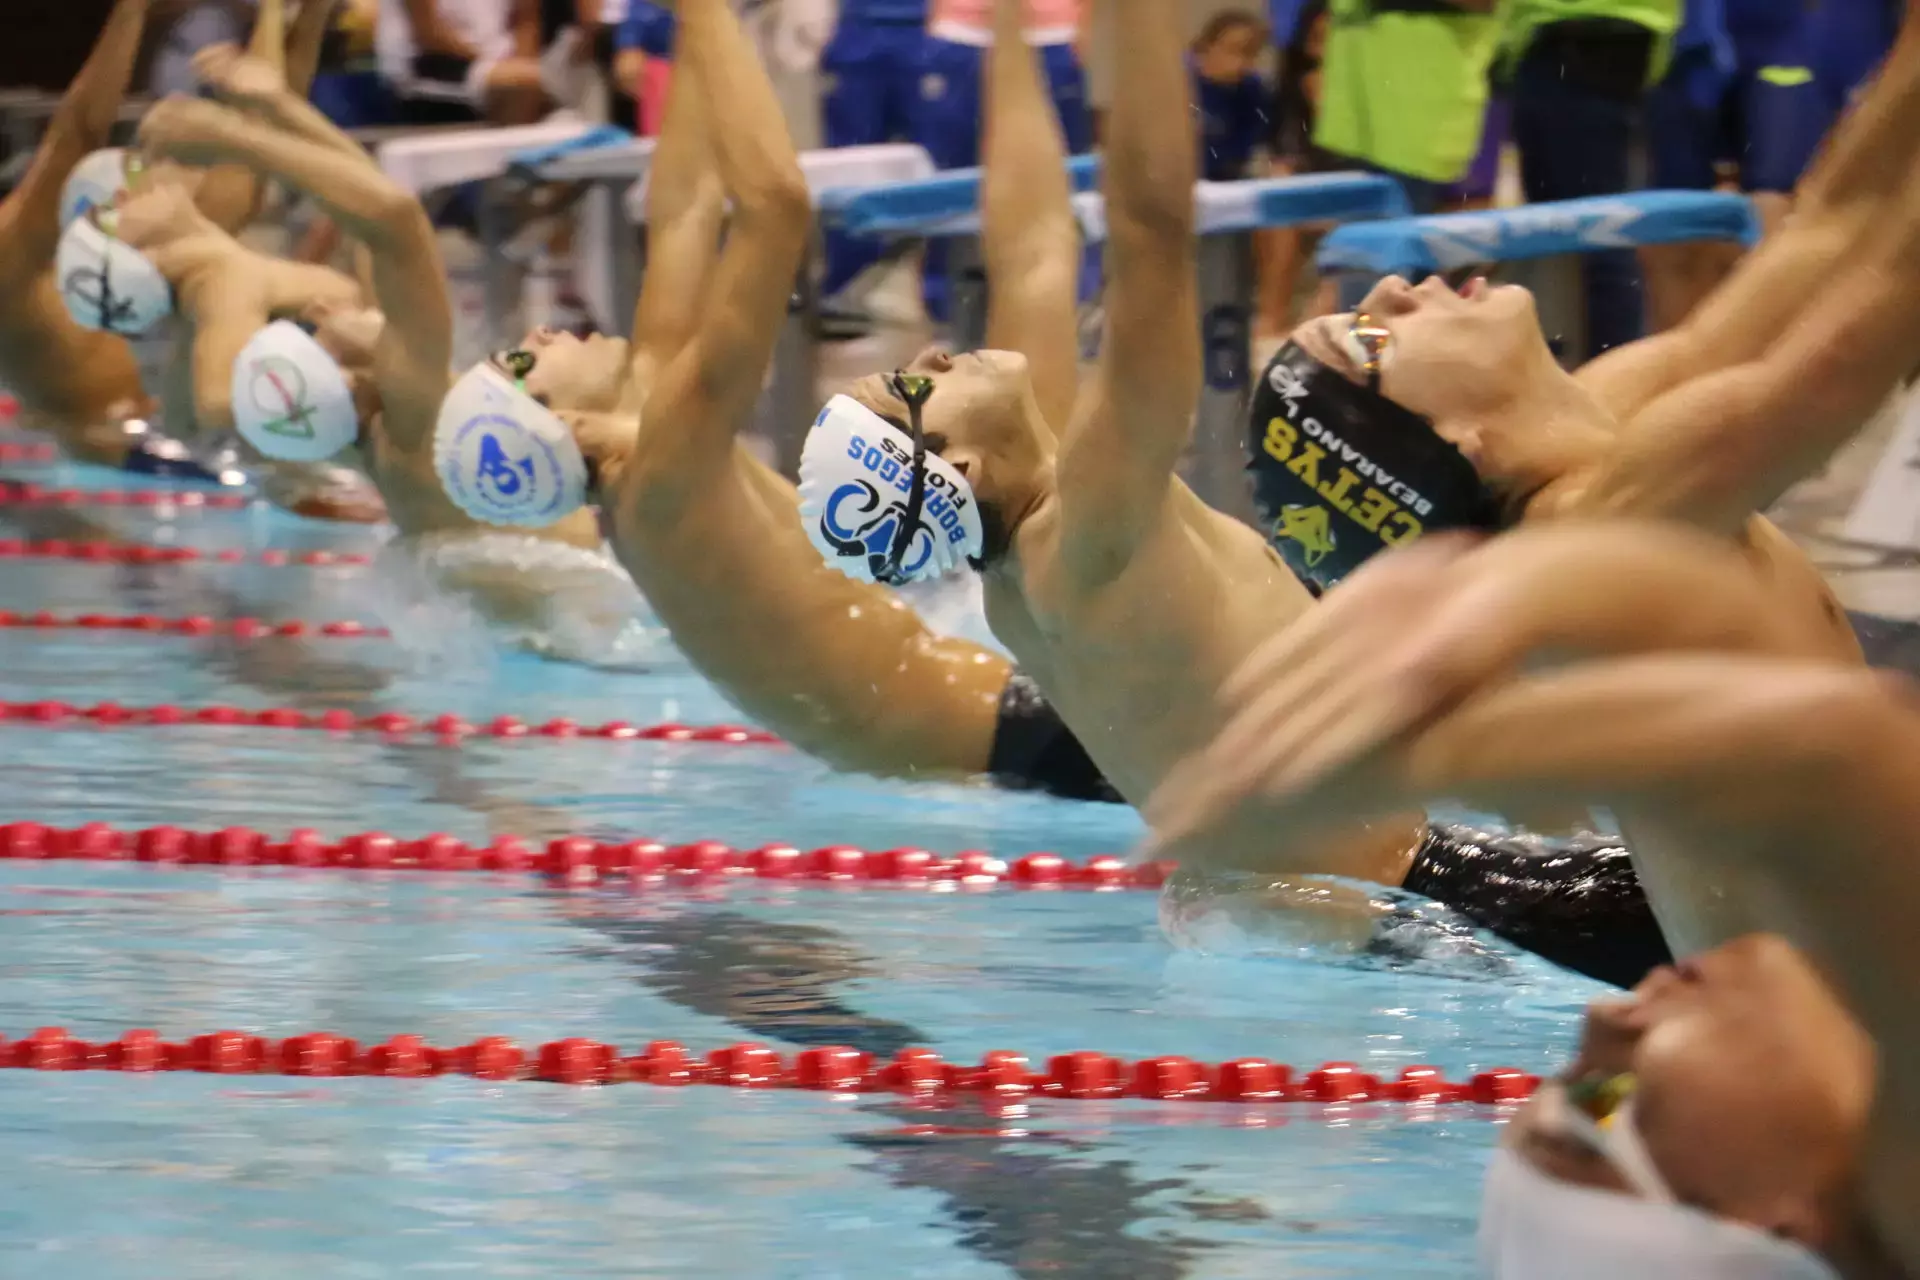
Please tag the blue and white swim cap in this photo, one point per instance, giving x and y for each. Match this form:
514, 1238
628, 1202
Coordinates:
106, 285
857, 482
503, 457
291, 401
94, 183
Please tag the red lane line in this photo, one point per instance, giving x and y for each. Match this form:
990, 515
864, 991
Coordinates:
28, 451
198, 625
447, 729
34, 495
575, 860
137, 553
1001, 1076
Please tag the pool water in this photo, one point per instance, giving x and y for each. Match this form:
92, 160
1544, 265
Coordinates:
111, 1175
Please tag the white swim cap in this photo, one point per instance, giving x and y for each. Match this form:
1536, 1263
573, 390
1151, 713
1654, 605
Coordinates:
857, 482
290, 399
504, 458
1534, 1226
94, 183
109, 286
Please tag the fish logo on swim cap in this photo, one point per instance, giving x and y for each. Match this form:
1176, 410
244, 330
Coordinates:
503, 457
94, 183
291, 401
1307, 526
856, 479
108, 286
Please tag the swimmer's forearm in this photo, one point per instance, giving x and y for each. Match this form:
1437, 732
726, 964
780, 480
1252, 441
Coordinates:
752, 148
1150, 158
685, 208
1028, 236
91, 104
1149, 375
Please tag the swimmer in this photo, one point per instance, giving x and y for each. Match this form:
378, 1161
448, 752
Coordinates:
1772, 801
381, 375
842, 669
74, 381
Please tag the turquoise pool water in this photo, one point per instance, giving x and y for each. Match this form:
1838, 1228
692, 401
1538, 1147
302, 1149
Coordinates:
183, 1175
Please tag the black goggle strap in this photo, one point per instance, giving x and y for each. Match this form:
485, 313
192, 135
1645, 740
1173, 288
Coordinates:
518, 363
106, 221
913, 390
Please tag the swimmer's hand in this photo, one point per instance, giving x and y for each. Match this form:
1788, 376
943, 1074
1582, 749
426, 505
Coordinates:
1327, 710
234, 74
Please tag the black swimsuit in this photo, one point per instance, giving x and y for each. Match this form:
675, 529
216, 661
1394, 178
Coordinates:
1576, 903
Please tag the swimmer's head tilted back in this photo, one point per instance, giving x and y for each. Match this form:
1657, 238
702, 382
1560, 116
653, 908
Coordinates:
95, 182
879, 505
1340, 472
502, 456
291, 400
107, 285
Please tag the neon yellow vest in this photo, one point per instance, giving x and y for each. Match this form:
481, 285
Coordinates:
1406, 91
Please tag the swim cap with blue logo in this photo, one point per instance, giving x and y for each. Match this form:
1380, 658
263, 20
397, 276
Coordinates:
291, 401
503, 457
106, 285
1340, 472
857, 486
94, 183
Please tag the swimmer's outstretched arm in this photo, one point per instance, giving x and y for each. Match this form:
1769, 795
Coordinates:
710, 387
1126, 435
1318, 710
30, 217
686, 205
1862, 171
415, 353
230, 195
1027, 232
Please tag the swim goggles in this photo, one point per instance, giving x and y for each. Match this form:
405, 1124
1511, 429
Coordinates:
1367, 341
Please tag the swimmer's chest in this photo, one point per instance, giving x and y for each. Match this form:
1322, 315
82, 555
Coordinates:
1135, 663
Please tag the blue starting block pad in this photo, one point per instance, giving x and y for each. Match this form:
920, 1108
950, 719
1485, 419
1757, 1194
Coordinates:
945, 204
1447, 241
602, 153
948, 205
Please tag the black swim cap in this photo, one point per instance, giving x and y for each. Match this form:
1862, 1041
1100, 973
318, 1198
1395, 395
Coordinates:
1341, 473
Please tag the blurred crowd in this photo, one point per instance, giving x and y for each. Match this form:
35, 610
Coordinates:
1466, 103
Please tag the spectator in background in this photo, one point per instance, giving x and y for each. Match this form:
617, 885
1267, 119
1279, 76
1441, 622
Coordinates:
1754, 85
870, 84
1580, 71
1404, 93
463, 61
947, 115
1301, 32
1232, 95
643, 43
